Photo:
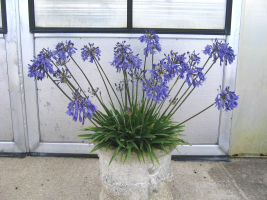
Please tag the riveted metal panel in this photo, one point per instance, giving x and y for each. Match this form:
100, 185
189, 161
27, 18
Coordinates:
15, 80
6, 133
56, 126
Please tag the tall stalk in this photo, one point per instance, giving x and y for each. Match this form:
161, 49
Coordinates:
104, 84
89, 83
96, 61
127, 92
145, 68
188, 94
196, 115
58, 86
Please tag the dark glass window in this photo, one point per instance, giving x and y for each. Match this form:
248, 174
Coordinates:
131, 16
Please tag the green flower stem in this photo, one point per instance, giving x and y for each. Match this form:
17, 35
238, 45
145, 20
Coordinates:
211, 66
127, 88
122, 101
189, 92
196, 114
152, 60
162, 103
132, 91
96, 61
88, 82
153, 109
145, 68
70, 87
68, 82
171, 114
175, 98
58, 86
180, 99
184, 92
136, 93
98, 114
173, 85
144, 112
145, 57
125, 92
75, 81
104, 83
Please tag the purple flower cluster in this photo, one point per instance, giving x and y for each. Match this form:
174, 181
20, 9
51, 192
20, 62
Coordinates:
90, 51
194, 74
80, 107
63, 52
174, 65
226, 99
152, 39
63, 75
158, 91
220, 50
124, 58
42, 64
137, 74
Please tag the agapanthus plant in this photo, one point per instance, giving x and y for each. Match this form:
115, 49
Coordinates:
133, 121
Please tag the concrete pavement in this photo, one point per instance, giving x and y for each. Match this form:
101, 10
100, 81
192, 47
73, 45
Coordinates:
76, 178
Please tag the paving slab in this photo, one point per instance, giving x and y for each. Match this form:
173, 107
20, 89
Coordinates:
77, 178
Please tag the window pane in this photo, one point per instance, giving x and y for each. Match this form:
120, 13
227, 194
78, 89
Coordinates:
81, 13
184, 14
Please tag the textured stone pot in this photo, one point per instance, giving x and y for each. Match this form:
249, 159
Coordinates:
132, 180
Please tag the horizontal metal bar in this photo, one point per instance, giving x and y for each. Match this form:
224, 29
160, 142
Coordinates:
72, 148
201, 158
83, 148
126, 30
11, 154
199, 150
124, 35
174, 157
9, 147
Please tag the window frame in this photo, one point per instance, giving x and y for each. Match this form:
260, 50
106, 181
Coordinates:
129, 29
3, 29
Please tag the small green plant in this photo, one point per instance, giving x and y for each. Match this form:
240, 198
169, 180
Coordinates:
136, 121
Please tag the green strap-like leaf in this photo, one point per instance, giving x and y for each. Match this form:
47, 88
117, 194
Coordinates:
153, 154
99, 146
114, 154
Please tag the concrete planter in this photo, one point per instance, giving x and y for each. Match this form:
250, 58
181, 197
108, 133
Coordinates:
132, 180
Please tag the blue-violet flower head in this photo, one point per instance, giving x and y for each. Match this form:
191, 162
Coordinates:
80, 107
226, 99
124, 58
152, 39
41, 65
90, 51
220, 50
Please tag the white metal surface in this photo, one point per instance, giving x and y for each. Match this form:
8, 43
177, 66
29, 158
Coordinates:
6, 133
230, 76
27, 43
199, 150
56, 126
15, 80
